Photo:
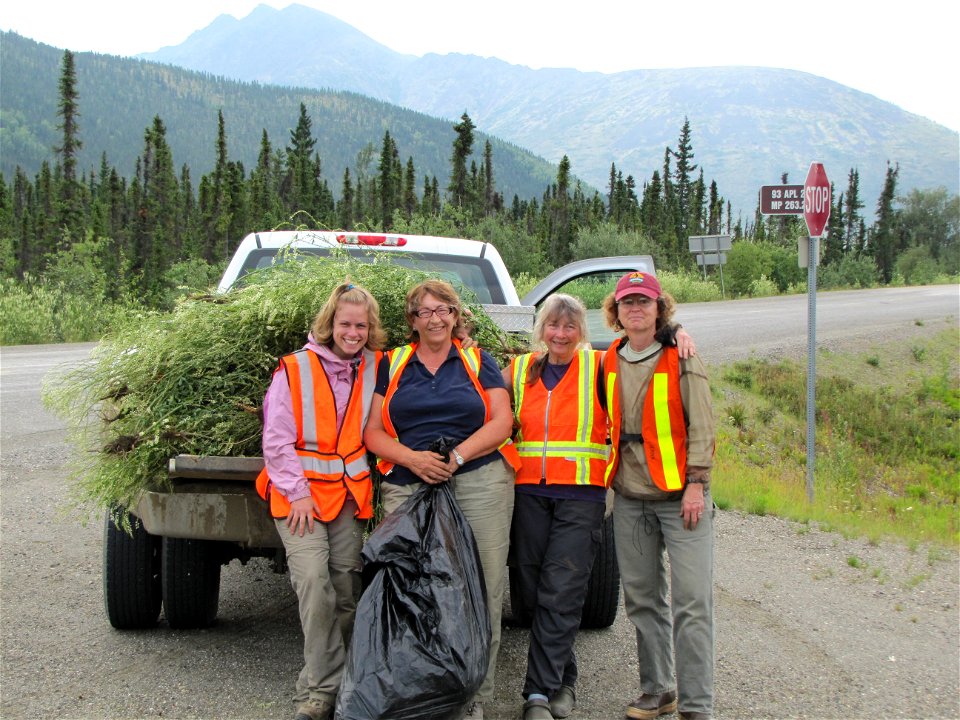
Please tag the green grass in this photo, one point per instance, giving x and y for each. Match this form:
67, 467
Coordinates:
888, 441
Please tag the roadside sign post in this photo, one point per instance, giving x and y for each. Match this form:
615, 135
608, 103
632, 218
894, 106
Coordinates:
710, 251
816, 212
813, 201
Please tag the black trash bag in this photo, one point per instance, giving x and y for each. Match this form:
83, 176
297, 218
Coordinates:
421, 639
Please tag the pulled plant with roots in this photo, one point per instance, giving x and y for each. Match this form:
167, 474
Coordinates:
192, 381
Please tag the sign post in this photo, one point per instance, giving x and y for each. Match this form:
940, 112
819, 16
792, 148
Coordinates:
816, 212
710, 251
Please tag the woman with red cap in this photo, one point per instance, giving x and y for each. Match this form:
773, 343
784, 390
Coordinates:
662, 434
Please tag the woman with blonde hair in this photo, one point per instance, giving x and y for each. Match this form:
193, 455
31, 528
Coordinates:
316, 478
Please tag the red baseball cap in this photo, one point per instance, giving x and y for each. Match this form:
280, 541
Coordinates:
638, 283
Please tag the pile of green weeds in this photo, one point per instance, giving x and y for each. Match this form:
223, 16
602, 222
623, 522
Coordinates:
192, 381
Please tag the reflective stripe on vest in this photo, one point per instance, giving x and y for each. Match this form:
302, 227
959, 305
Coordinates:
584, 448
329, 464
663, 425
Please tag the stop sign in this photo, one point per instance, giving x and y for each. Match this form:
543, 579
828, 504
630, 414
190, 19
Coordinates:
816, 200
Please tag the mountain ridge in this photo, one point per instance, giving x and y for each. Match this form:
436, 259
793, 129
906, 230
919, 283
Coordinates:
750, 125
119, 97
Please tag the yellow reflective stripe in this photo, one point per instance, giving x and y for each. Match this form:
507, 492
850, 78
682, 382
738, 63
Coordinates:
398, 358
520, 366
584, 455
611, 387
472, 357
668, 453
585, 415
562, 444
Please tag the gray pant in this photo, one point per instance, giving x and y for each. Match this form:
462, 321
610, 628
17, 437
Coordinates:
643, 529
485, 497
325, 574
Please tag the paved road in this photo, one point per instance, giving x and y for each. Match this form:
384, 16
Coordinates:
801, 633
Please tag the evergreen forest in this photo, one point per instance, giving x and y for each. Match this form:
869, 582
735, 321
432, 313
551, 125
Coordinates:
80, 248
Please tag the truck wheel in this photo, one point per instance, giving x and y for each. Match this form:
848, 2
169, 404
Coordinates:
131, 574
191, 582
603, 591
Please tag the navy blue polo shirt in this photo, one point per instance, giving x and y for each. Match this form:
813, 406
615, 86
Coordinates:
426, 406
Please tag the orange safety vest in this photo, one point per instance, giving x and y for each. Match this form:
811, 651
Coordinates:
398, 359
334, 463
563, 432
663, 426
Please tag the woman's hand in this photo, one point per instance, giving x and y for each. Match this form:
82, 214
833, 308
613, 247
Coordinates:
685, 345
692, 505
429, 467
301, 515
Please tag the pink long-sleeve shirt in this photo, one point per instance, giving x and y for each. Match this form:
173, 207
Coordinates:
280, 427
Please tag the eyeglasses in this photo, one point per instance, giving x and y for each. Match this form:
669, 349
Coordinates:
441, 311
642, 301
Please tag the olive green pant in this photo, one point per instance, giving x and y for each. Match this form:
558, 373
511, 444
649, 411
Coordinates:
325, 574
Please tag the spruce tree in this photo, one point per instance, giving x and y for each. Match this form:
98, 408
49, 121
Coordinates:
345, 206
559, 220
299, 182
70, 215
884, 239
462, 147
852, 239
686, 202
410, 190
264, 189
490, 188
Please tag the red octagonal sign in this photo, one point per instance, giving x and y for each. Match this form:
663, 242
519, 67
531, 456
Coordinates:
816, 200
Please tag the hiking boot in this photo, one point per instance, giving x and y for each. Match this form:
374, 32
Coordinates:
563, 701
648, 707
537, 709
314, 709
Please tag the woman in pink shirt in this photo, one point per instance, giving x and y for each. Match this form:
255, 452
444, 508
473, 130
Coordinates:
317, 480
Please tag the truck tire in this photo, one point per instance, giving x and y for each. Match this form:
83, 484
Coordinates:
131, 574
191, 582
603, 590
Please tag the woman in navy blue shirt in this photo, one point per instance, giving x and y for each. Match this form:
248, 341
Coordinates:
435, 388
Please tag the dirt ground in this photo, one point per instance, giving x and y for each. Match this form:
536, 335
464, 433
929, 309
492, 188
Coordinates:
803, 631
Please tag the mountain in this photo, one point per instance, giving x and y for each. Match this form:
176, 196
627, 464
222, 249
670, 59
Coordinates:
119, 97
749, 125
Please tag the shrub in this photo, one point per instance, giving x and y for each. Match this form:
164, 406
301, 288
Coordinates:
917, 267
850, 272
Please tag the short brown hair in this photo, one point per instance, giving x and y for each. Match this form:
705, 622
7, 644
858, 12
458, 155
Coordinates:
441, 290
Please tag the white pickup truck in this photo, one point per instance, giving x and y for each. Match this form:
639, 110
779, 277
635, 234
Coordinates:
212, 515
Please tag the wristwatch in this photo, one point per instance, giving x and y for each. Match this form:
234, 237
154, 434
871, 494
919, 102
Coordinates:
458, 457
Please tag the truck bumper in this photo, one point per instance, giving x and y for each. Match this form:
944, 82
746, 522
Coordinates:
232, 514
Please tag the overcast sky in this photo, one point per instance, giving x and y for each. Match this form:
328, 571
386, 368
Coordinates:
905, 52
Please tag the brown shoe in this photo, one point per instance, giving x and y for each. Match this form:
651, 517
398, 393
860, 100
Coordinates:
314, 709
537, 710
695, 716
648, 707
563, 702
